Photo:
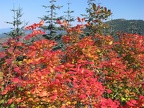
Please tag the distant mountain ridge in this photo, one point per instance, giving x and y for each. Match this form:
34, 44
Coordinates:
8, 30
121, 25
128, 26
4, 30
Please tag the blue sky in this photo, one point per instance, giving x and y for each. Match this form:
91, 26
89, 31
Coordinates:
32, 9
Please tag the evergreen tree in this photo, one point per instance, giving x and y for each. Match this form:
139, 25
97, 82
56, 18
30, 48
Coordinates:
68, 17
50, 19
18, 28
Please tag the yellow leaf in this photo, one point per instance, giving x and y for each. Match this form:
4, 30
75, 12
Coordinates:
1, 75
111, 42
98, 50
68, 103
20, 63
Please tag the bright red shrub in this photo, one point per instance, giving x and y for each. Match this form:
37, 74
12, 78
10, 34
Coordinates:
94, 71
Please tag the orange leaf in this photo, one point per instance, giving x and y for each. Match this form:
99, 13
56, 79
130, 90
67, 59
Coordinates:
43, 93
65, 23
88, 24
41, 22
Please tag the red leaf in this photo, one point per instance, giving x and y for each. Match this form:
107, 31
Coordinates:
83, 19
78, 18
59, 22
10, 101
132, 103
16, 80
17, 69
82, 96
28, 37
109, 91
99, 7
53, 98
2, 55
9, 61
4, 92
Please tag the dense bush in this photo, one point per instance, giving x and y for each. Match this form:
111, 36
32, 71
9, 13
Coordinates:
93, 71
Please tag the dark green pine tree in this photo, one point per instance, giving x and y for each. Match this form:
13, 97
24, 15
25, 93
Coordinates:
18, 27
50, 19
68, 16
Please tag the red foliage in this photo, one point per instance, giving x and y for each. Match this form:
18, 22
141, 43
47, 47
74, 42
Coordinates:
34, 30
94, 71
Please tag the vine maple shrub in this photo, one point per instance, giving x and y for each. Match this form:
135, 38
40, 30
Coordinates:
94, 71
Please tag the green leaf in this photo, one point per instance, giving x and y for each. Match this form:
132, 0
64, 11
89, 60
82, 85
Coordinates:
2, 101
12, 106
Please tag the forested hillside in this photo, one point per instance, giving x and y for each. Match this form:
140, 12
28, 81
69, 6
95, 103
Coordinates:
129, 26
